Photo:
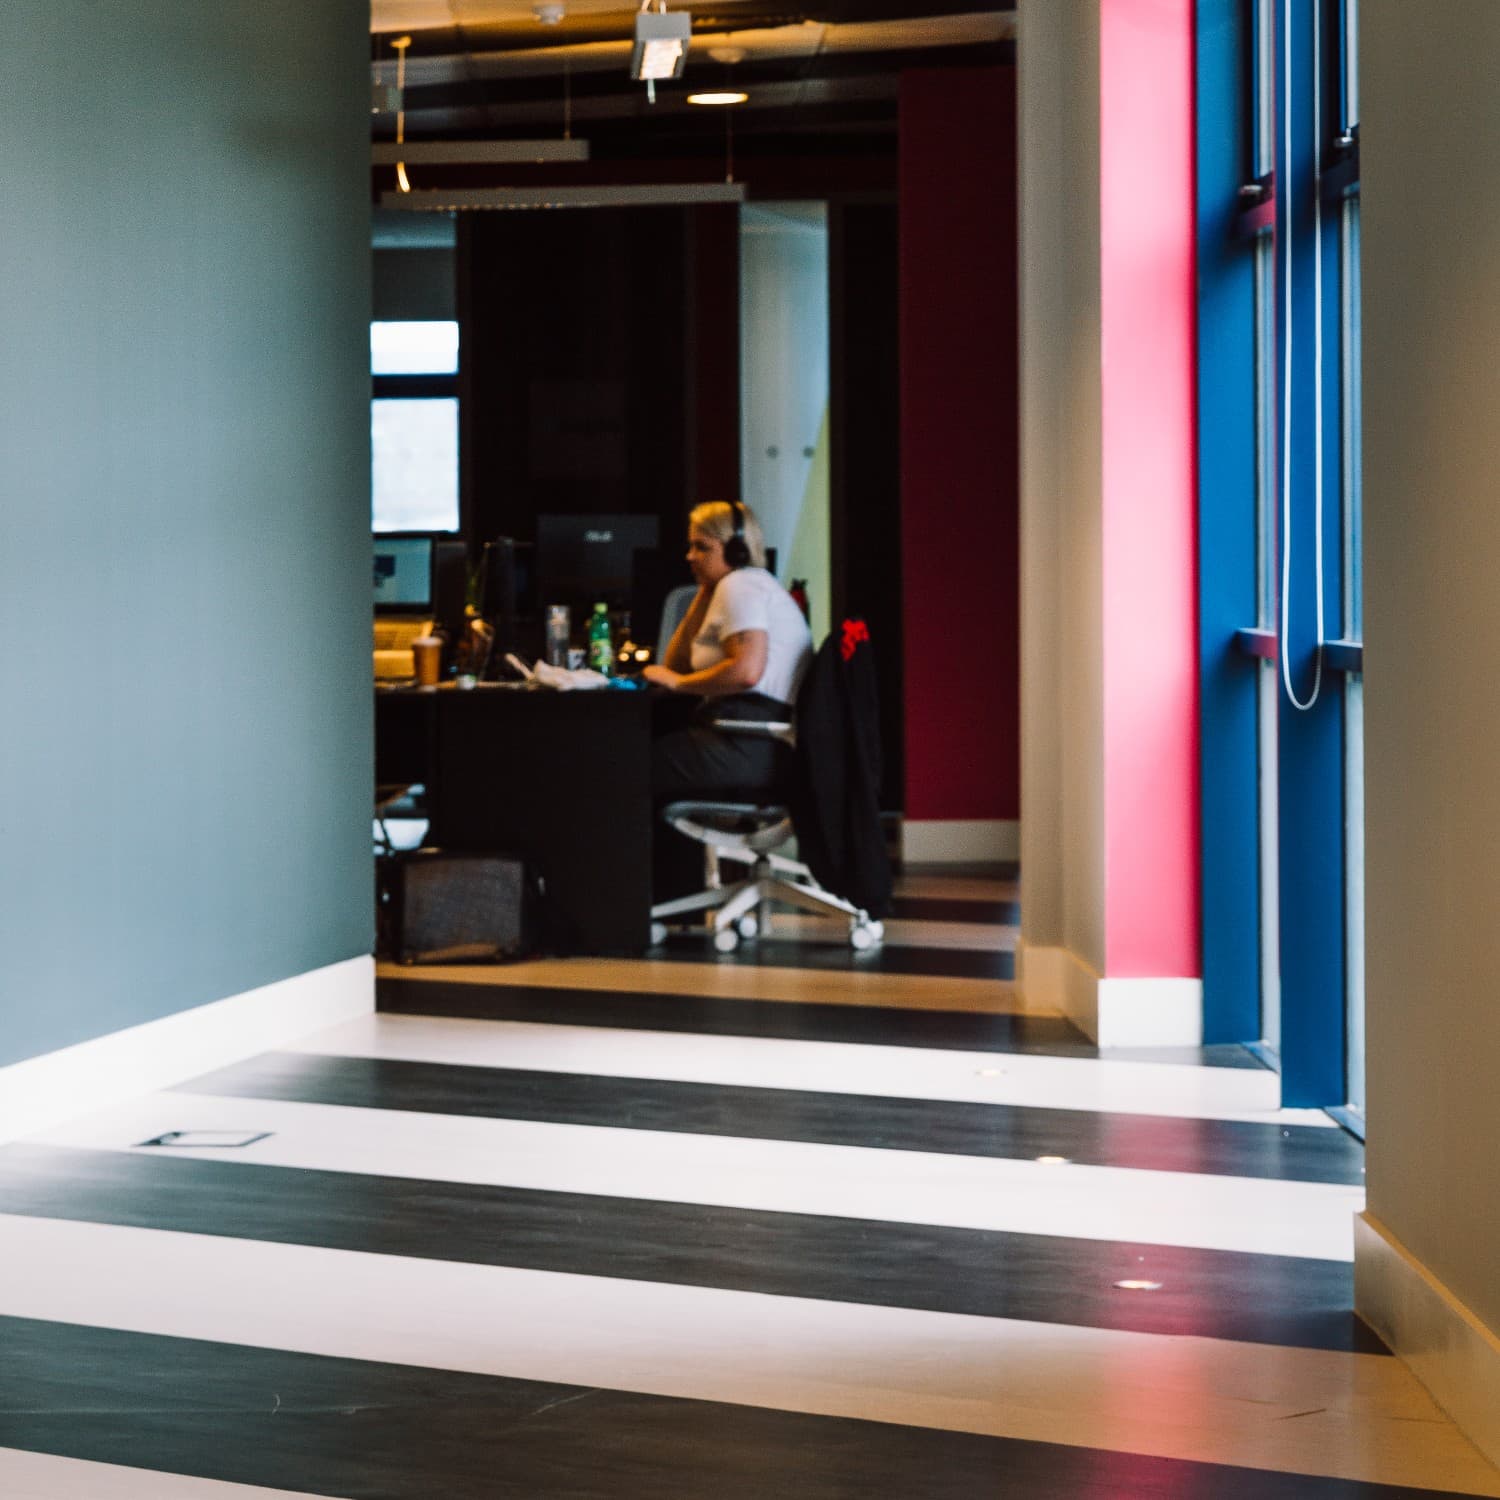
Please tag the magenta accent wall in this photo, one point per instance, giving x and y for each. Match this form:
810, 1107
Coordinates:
959, 416
1151, 802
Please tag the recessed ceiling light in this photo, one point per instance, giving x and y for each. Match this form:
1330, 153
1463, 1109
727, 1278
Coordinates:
1139, 1286
725, 97
1053, 1161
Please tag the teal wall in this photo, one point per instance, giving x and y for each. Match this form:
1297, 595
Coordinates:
185, 757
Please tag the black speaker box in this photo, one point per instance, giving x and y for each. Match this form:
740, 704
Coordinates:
436, 907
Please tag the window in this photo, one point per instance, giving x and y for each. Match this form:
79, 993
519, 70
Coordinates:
414, 426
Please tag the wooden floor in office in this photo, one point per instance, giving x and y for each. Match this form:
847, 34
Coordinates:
572, 1230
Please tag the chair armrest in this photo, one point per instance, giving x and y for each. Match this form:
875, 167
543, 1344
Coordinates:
761, 728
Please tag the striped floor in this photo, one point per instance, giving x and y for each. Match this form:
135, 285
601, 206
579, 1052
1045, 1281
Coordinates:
810, 1228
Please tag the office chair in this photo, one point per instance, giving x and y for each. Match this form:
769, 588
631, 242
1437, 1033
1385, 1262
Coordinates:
674, 607
753, 832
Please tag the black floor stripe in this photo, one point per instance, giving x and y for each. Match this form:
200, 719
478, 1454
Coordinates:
632, 1010
889, 958
948, 909
1228, 1148
376, 1431
1217, 1294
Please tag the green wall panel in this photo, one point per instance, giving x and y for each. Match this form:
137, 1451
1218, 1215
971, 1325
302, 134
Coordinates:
184, 506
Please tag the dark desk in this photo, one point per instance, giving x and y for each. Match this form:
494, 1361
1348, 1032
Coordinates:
560, 779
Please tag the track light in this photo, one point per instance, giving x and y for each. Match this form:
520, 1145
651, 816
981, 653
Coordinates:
661, 45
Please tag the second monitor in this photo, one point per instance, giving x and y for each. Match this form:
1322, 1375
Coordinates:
583, 559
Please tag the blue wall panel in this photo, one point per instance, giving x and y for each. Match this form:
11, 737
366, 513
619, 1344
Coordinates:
1311, 741
1226, 534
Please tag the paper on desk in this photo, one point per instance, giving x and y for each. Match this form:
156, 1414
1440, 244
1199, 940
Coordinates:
565, 679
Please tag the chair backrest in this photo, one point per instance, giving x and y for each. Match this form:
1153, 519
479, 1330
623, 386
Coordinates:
674, 607
837, 804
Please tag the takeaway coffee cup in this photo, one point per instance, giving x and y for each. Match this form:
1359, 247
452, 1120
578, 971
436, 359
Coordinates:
427, 653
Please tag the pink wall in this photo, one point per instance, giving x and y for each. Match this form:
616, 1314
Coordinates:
959, 475
1149, 500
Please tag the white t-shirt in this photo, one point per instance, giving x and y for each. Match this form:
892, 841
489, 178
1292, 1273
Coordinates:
750, 599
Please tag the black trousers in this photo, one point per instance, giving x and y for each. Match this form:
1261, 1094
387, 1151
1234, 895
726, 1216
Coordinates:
700, 760
697, 760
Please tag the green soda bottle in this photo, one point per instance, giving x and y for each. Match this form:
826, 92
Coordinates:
601, 647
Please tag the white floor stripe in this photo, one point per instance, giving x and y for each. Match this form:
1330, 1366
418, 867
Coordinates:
1360, 1417
42, 1476
827, 1067
1307, 1219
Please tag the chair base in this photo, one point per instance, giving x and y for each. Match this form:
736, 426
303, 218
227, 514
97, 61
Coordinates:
742, 909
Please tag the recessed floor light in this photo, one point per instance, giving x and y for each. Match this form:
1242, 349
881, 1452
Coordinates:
724, 97
213, 1138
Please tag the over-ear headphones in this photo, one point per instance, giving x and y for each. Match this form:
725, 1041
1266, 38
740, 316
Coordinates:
737, 549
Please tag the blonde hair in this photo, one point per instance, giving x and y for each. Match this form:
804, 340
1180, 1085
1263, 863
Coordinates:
715, 518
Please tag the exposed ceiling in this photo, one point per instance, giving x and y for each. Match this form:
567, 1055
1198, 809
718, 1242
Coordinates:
820, 78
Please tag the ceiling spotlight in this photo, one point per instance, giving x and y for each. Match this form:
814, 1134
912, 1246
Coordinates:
661, 45
549, 12
725, 97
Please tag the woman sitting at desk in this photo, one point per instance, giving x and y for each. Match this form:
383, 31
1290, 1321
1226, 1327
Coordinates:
743, 646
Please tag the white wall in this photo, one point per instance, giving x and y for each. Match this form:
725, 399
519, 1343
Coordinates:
1062, 801
784, 383
1431, 225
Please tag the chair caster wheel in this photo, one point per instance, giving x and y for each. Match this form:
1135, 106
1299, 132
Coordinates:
658, 934
860, 937
877, 931
726, 940
748, 926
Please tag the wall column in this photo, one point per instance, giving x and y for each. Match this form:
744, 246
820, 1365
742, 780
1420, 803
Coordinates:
1110, 896
1427, 1248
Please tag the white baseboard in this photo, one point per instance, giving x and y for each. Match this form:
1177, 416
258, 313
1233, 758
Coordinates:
1449, 1350
1111, 1012
44, 1091
959, 841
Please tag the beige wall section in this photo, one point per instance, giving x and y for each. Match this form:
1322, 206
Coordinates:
1431, 241
1062, 737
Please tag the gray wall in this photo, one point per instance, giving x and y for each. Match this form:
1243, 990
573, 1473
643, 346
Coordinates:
1430, 133
184, 568
1062, 584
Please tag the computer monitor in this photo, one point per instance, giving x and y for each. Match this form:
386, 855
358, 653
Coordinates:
583, 559
403, 574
